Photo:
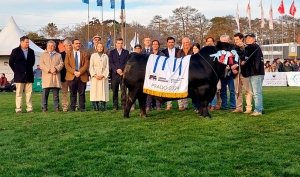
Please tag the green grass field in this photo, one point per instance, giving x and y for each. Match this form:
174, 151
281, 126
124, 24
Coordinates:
167, 143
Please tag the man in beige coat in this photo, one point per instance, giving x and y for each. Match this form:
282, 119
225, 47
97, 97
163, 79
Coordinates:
51, 64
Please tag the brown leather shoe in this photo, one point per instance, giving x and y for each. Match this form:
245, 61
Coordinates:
19, 112
30, 112
44, 111
158, 109
213, 108
181, 108
57, 110
115, 109
168, 108
237, 111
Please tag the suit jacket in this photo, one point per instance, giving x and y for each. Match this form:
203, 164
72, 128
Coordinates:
63, 71
22, 68
46, 63
83, 67
166, 52
91, 51
117, 61
144, 51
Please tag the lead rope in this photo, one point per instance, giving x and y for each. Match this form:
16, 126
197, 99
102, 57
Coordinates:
210, 66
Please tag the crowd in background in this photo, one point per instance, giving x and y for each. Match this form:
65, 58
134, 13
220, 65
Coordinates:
287, 66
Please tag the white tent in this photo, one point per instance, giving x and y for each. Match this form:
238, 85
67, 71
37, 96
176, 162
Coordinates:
10, 39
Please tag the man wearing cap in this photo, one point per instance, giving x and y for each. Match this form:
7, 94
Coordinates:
254, 64
96, 40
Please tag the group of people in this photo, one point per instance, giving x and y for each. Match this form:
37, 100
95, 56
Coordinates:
73, 68
287, 66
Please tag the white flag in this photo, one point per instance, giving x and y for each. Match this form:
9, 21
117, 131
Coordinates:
249, 14
237, 17
271, 18
134, 41
262, 18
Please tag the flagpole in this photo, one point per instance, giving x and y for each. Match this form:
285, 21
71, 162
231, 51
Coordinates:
114, 24
88, 22
249, 16
124, 27
282, 38
102, 20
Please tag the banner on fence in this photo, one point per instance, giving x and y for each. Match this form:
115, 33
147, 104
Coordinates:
275, 79
293, 78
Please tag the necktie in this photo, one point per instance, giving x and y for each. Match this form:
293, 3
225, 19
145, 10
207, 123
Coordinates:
147, 51
51, 54
76, 61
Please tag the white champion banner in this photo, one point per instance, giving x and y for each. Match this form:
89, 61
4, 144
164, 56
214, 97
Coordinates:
167, 76
275, 79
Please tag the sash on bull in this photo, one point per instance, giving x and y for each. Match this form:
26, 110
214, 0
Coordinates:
204, 71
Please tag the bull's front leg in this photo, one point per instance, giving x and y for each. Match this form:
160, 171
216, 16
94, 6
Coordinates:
142, 102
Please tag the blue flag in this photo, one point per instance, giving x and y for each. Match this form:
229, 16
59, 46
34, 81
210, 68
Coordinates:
99, 2
89, 44
122, 4
108, 43
85, 1
112, 2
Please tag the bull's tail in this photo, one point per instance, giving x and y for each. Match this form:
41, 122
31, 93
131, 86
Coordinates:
123, 94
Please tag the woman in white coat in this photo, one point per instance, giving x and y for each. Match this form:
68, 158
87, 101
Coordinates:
99, 71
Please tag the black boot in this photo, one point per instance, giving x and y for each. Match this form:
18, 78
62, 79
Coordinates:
96, 105
103, 106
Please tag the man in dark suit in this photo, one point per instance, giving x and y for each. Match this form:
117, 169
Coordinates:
117, 60
21, 61
77, 64
64, 84
147, 45
170, 51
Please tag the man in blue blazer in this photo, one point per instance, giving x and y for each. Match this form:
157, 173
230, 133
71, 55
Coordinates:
117, 60
21, 61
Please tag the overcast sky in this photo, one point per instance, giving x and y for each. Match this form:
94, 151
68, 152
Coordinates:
31, 15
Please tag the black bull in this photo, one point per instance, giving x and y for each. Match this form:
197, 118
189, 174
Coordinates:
204, 73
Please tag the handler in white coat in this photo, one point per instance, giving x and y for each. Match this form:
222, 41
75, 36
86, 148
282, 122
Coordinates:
99, 71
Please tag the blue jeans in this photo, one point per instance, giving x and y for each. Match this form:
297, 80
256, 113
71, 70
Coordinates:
214, 101
256, 88
223, 93
195, 104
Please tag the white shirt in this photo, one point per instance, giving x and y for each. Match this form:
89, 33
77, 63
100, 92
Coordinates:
78, 55
171, 52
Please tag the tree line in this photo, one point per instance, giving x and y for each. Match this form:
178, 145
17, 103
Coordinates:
185, 21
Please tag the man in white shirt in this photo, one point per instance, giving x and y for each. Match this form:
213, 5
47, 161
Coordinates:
170, 51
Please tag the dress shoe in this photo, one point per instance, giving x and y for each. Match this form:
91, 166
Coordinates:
237, 111
158, 109
147, 109
256, 113
168, 108
213, 108
115, 109
232, 109
44, 111
19, 112
65, 110
30, 112
57, 110
248, 112
181, 108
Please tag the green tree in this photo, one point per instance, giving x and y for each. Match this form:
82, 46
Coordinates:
50, 30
